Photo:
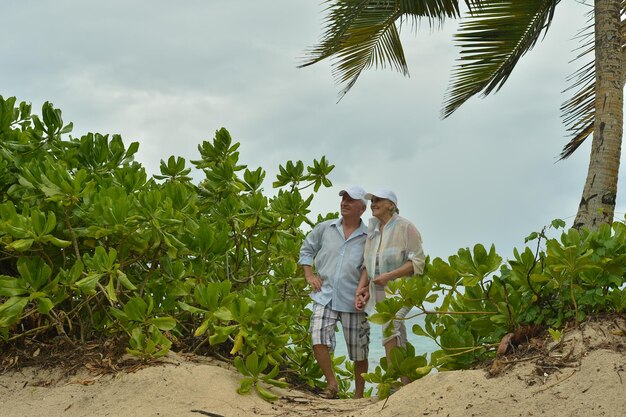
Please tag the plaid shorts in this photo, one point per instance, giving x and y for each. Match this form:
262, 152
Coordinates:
356, 330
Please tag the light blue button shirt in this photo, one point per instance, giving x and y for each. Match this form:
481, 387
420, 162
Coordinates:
337, 262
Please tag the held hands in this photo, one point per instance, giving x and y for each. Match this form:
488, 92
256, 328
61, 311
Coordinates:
361, 298
314, 281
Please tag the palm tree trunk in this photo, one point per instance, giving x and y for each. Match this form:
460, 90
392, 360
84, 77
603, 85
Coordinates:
597, 205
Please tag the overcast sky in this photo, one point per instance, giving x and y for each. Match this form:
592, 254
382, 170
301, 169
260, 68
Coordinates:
168, 74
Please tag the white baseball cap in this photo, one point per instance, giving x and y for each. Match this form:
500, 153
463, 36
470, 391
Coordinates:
355, 192
383, 193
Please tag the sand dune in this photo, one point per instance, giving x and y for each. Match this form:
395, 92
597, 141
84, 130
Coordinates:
582, 376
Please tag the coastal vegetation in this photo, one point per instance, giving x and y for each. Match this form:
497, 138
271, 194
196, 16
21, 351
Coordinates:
92, 250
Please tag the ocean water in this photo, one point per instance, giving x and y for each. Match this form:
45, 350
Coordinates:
377, 351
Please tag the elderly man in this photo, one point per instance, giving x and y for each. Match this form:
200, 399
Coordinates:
335, 249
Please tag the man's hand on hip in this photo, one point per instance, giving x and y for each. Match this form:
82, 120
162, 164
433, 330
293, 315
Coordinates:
314, 281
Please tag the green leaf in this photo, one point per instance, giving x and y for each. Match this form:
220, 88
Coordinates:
265, 394
164, 323
224, 314
471, 281
423, 371
273, 373
118, 314
203, 328
221, 334
532, 236
245, 385
150, 305
558, 224
276, 382
34, 271
384, 390
110, 290
20, 245
59, 243
241, 367
252, 364
10, 286
137, 339
44, 305
539, 278
555, 334
442, 273
88, 284
418, 330
125, 281
191, 309
11, 310
136, 309
381, 318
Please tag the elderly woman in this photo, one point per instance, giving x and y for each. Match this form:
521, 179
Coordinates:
393, 250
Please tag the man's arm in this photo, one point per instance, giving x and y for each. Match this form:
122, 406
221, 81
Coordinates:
314, 281
311, 245
362, 291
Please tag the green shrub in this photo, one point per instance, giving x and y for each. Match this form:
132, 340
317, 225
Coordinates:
471, 301
90, 247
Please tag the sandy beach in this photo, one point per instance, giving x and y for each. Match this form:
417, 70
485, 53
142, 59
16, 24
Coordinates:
583, 375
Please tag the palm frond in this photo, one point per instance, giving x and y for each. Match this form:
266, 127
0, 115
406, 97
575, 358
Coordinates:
374, 42
492, 40
434, 11
360, 34
579, 112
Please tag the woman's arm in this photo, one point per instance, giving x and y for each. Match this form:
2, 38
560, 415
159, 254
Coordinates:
403, 271
415, 249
